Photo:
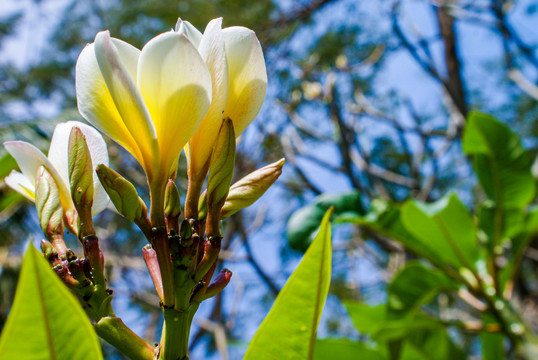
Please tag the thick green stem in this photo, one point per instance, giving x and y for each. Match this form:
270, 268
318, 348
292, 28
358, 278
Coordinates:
116, 333
177, 325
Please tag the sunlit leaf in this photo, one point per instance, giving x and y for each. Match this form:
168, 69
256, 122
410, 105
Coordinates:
46, 321
289, 330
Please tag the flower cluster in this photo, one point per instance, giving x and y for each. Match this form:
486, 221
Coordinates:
183, 90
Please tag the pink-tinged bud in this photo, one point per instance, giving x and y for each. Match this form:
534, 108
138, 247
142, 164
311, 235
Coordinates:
221, 167
246, 191
220, 282
150, 257
48, 205
211, 253
81, 179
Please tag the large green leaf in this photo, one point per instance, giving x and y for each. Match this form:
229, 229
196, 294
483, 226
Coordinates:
415, 285
289, 330
304, 223
502, 165
343, 349
46, 321
445, 227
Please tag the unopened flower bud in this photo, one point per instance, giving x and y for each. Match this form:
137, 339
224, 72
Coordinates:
150, 257
80, 175
172, 206
220, 282
221, 167
246, 191
122, 194
202, 206
48, 205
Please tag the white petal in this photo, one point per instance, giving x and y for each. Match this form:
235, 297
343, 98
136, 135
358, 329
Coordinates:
58, 156
128, 55
212, 51
248, 76
30, 159
191, 32
96, 104
127, 98
21, 184
176, 86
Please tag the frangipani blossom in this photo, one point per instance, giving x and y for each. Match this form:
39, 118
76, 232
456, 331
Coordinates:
149, 101
30, 159
235, 60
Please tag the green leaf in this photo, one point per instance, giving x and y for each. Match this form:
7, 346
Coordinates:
519, 243
366, 318
46, 321
384, 218
432, 344
7, 164
492, 342
343, 349
445, 227
502, 165
415, 285
499, 224
304, 223
289, 329
399, 329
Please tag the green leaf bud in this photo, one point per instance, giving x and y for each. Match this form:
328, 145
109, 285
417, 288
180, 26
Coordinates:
122, 194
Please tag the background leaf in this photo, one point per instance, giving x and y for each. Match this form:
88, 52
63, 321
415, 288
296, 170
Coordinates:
289, 329
415, 285
304, 223
46, 321
343, 349
365, 317
445, 227
502, 165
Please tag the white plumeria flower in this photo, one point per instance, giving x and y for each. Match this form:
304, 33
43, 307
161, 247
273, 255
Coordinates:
235, 60
30, 159
149, 101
